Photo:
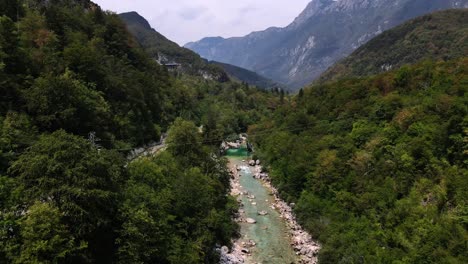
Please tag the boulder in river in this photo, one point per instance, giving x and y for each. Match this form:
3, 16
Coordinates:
252, 243
252, 162
234, 145
263, 213
257, 162
224, 250
250, 221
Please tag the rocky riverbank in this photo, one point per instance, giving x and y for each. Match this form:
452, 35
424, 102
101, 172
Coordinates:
236, 254
305, 247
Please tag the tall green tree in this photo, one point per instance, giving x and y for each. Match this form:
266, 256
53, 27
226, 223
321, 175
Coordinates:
12, 9
185, 143
66, 103
81, 181
45, 238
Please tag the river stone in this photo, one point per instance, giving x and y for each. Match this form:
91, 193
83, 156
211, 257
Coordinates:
263, 213
224, 250
250, 221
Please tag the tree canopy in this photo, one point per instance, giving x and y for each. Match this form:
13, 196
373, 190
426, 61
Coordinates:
377, 165
69, 70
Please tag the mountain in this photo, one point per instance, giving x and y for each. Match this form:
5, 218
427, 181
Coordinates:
166, 51
441, 35
325, 32
243, 75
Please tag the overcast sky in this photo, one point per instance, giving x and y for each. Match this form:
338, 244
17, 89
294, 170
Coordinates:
190, 20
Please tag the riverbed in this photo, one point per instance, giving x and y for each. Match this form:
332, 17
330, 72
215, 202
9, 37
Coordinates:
268, 240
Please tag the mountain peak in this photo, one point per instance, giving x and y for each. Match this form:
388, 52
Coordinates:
314, 7
325, 32
134, 17
207, 41
327, 6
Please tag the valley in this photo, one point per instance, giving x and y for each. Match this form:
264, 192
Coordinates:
344, 139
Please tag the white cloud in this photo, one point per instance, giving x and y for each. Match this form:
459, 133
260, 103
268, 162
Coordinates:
190, 20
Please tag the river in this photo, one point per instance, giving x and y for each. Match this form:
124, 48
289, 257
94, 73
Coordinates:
270, 233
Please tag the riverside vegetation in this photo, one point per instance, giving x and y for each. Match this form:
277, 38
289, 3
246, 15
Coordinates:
67, 68
378, 166
375, 165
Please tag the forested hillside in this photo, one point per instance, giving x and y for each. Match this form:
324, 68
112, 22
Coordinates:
76, 69
377, 166
67, 69
437, 36
165, 51
250, 77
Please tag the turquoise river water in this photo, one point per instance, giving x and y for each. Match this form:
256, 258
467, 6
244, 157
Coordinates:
270, 231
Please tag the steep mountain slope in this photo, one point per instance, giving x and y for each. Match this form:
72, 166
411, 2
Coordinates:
441, 35
326, 31
243, 75
377, 165
166, 51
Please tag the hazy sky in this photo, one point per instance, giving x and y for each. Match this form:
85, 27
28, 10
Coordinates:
190, 20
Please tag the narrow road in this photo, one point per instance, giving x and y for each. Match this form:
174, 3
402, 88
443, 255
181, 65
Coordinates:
148, 150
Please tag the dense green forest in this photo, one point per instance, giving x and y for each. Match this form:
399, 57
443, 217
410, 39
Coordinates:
378, 166
67, 68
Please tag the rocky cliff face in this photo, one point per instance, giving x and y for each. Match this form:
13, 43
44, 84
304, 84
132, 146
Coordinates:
325, 32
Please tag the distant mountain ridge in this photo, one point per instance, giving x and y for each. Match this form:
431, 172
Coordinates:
250, 77
438, 36
166, 51
325, 32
